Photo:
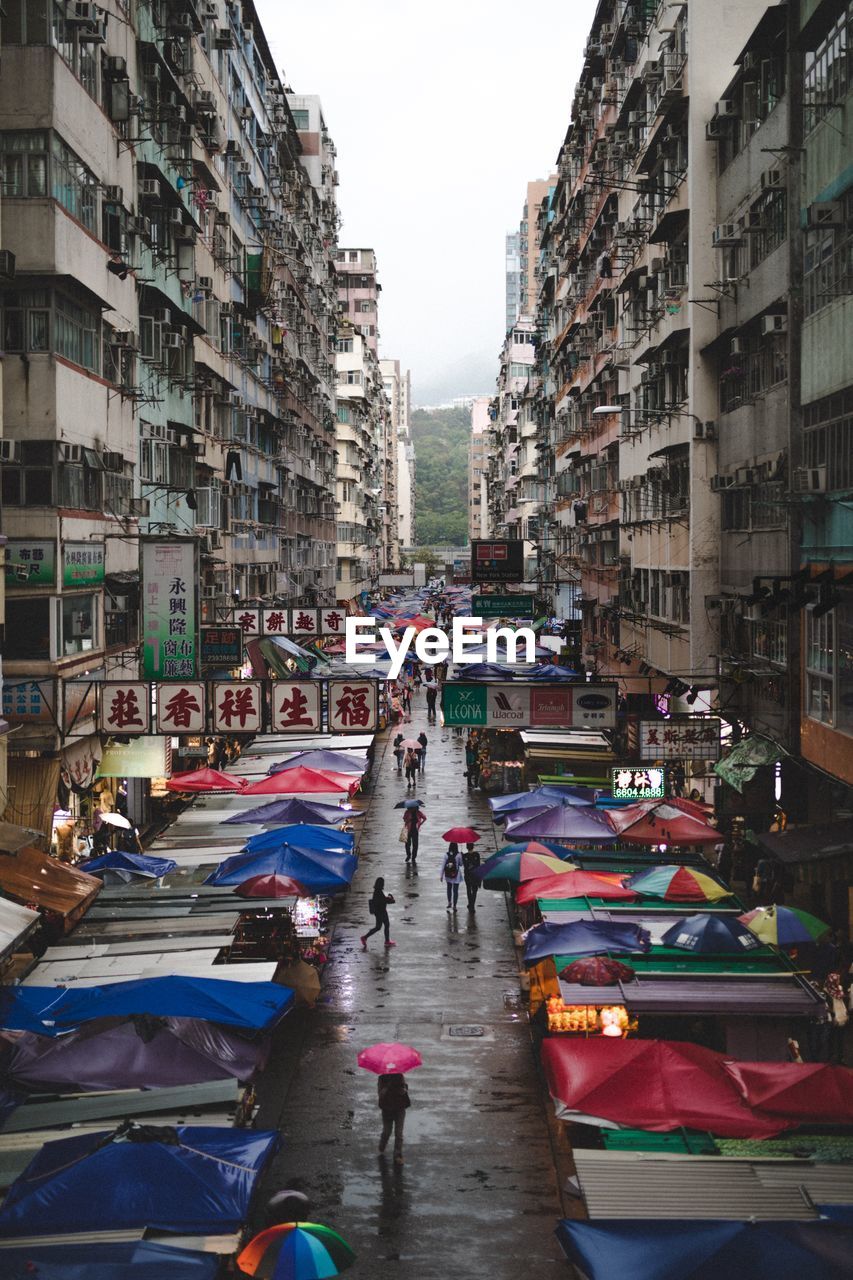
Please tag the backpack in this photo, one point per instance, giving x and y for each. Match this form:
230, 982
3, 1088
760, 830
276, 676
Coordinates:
451, 867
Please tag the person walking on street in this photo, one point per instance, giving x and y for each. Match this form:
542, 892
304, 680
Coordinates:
410, 765
422, 739
431, 696
472, 762
413, 820
470, 863
393, 1095
452, 875
379, 910
398, 754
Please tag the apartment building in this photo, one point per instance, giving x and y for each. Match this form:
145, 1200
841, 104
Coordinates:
406, 465
512, 274
168, 337
7, 272
478, 467
505, 438
397, 383
358, 292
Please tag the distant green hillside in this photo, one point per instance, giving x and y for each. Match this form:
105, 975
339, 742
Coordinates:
441, 476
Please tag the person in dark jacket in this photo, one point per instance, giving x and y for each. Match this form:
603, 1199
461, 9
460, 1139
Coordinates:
393, 1096
413, 820
422, 739
470, 862
379, 910
398, 754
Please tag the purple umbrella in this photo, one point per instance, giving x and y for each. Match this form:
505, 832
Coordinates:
136, 1053
539, 798
323, 760
291, 810
563, 822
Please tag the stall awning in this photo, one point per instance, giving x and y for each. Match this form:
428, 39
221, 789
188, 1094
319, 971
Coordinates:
30, 876
809, 844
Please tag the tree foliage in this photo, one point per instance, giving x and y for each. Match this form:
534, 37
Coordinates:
441, 437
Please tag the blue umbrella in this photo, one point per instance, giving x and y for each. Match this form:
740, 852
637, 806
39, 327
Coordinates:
541, 798
319, 870
709, 934
584, 938
293, 810
127, 865
483, 671
305, 836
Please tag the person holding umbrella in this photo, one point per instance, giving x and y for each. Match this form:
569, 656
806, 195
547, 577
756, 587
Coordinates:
410, 765
389, 1062
398, 754
379, 910
413, 820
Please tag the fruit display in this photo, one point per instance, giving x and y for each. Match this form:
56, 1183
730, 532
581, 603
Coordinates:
589, 1020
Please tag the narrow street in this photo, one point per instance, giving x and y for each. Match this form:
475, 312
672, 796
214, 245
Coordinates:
477, 1194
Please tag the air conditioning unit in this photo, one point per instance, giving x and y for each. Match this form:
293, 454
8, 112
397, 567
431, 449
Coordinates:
656, 265
8, 451
84, 14
774, 324
125, 338
114, 195
738, 347
70, 453
210, 9
246, 113
809, 480
244, 167
174, 341
176, 217
205, 282
209, 593
115, 68
161, 315
652, 70
669, 358
140, 227
824, 214
705, 430
149, 189
727, 233
224, 38
205, 102
140, 506
636, 117
726, 108
771, 178
721, 482
113, 461
745, 475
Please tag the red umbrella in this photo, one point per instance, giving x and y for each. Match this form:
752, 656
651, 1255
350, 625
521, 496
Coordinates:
388, 1057
462, 835
662, 822
271, 886
577, 884
597, 971
205, 780
302, 781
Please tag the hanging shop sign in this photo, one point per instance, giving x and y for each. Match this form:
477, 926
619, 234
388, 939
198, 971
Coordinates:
141, 758
497, 561
30, 563
299, 624
637, 784
513, 606
83, 564
526, 706
30, 701
688, 738
169, 576
138, 708
221, 648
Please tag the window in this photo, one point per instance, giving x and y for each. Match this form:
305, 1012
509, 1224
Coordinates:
72, 185
768, 219
27, 629
31, 483
519, 370
344, 344
26, 320
828, 438
300, 119
343, 413
828, 264
24, 164
352, 377
78, 622
44, 22
77, 333
770, 641
819, 667
828, 77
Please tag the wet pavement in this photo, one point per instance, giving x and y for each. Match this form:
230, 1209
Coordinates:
476, 1196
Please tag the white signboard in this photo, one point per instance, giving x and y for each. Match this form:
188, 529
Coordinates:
353, 704
296, 706
181, 708
680, 739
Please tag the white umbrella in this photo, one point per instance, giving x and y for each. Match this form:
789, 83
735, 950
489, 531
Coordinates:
116, 820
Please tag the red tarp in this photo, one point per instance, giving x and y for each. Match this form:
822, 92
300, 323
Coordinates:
652, 1084
811, 1090
577, 884
302, 781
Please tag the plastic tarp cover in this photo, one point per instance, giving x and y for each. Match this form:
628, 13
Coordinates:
652, 1084
708, 1250
565, 822
140, 1053
144, 1260
128, 865
303, 836
195, 1178
50, 1011
813, 1090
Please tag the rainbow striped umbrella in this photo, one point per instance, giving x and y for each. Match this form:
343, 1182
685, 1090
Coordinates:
677, 884
503, 870
296, 1251
784, 926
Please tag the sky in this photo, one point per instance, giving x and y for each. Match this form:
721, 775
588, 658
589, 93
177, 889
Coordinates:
441, 113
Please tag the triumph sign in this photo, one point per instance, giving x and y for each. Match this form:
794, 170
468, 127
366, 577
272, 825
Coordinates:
529, 706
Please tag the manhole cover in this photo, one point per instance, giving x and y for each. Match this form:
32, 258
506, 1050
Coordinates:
466, 1032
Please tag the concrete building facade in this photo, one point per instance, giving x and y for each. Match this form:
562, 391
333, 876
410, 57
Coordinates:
478, 467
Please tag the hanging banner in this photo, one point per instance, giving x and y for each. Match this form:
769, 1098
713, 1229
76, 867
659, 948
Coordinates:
303, 622
125, 708
332, 621
169, 576
248, 620
30, 563
295, 706
142, 758
83, 564
237, 706
275, 622
181, 708
353, 704
514, 606
31, 701
528, 706
687, 739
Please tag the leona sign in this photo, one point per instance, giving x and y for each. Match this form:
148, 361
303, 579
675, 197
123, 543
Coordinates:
529, 706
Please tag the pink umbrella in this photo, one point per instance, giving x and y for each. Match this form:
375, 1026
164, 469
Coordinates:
384, 1059
205, 780
271, 885
462, 835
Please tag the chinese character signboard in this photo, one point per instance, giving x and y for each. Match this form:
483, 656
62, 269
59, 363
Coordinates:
295, 706
637, 784
30, 563
125, 708
526, 706
33, 701
297, 623
275, 622
82, 564
332, 621
353, 705
249, 621
181, 708
497, 561
221, 647
169, 612
237, 706
690, 738
514, 606
303, 622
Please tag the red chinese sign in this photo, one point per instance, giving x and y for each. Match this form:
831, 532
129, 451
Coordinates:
275, 622
690, 738
125, 708
181, 708
353, 706
295, 706
303, 622
332, 621
237, 706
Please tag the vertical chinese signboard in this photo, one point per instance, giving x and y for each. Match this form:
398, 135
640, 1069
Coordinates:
169, 609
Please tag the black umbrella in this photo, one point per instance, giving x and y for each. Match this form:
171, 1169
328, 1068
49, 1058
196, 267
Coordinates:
408, 804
